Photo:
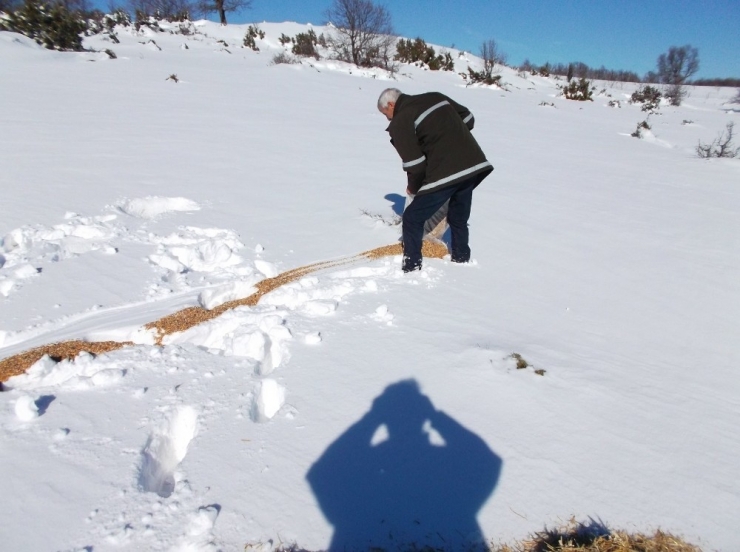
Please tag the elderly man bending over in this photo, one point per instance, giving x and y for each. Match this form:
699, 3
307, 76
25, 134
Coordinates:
431, 133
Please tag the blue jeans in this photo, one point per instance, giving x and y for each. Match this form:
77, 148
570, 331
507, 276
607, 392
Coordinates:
424, 206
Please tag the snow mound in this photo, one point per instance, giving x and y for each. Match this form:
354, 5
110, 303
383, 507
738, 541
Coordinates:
153, 206
214, 297
198, 249
23, 249
26, 409
81, 374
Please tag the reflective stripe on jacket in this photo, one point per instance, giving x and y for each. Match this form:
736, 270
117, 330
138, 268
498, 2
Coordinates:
431, 133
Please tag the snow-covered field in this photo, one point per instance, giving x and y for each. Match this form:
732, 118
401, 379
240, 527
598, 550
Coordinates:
609, 262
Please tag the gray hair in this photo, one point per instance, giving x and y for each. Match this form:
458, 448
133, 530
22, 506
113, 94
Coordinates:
388, 95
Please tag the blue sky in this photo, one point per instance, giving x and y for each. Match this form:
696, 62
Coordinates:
619, 34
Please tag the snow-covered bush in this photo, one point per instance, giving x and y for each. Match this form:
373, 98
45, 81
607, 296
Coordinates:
641, 126
419, 52
580, 90
543, 70
253, 31
474, 77
142, 19
721, 147
53, 26
304, 44
101, 23
648, 96
117, 17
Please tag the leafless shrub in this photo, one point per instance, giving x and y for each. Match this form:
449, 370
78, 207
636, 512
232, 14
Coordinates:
492, 56
722, 146
675, 94
284, 58
393, 220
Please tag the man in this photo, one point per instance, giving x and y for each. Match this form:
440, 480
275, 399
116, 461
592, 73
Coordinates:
431, 133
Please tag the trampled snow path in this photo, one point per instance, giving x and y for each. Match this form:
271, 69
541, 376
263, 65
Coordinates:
192, 250
260, 336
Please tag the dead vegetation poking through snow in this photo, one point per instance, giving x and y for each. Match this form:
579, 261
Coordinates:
596, 537
192, 316
573, 537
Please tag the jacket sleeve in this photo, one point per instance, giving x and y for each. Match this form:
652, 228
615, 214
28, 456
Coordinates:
413, 160
464, 113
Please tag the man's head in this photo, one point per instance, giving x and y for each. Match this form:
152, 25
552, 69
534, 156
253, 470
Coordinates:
387, 102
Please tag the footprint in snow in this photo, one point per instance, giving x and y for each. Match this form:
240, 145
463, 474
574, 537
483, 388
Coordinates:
199, 531
269, 399
165, 450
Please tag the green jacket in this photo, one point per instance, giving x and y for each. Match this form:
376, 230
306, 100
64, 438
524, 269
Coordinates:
431, 133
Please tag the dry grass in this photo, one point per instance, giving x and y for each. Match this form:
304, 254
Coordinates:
617, 541
574, 537
594, 536
521, 364
192, 316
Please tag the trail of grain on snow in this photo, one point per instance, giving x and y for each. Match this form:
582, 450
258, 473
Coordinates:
191, 316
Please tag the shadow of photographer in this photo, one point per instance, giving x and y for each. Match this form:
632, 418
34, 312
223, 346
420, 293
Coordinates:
405, 475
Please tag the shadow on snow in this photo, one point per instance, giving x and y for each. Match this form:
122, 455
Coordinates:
405, 475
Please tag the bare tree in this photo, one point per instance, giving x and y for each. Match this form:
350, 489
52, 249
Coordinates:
162, 9
365, 33
674, 69
678, 64
8, 5
222, 7
78, 6
492, 56
651, 77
